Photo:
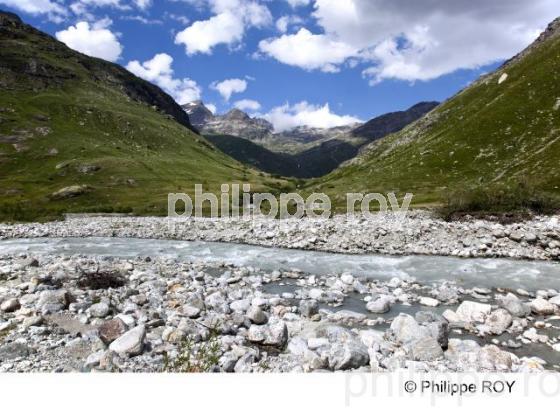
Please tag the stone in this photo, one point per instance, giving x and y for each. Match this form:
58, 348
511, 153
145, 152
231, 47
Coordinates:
15, 350
426, 349
436, 325
111, 330
228, 361
498, 321
315, 293
99, 310
272, 334
555, 300
240, 305
347, 278
308, 308
131, 343
191, 311
405, 329
71, 191
513, 305
94, 359
490, 357
379, 305
347, 317
10, 305
245, 362
52, 301
473, 311
541, 307
256, 315
426, 301
349, 355
463, 354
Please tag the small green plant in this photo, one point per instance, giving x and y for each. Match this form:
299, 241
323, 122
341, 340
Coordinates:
195, 357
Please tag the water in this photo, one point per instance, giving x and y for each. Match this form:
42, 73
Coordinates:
529, 275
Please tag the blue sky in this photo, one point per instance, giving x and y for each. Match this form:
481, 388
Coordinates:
289, 58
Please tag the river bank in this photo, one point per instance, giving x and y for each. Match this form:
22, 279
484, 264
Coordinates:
419, 233
149, 313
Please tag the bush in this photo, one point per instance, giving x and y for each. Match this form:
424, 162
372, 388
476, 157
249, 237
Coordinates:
522, 196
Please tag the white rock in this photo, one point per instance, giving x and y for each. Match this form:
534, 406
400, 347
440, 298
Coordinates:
426, 301
473, 311
131, 343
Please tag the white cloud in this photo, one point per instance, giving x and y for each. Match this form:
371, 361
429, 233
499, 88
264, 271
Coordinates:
298, 3
229, 87
227, 26
211, 107
247, 105
304, 114
411, 41
158, 70
95, 41
143, 4
307, 50
54, 10
284, 22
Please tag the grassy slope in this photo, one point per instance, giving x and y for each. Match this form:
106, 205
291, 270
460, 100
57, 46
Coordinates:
93, 122
489, 133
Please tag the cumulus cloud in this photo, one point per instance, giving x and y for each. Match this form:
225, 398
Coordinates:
307, 50
247, 105
289, 116
298, 3
229, 87
211, 107
284, 22
227, 26
143, 4
423, 40
49, 7
159, 71
96, 40
410, 40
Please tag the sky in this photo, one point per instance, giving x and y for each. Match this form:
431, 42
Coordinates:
319, 63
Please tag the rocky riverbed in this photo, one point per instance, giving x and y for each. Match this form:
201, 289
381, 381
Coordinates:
80, 313
418, 233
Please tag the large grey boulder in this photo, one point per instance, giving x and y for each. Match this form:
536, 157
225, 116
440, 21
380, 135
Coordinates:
473, 311
272, 334
498, 321
52, 301
514, 305
425, 349
406, 329
541, 307
347, 355
380, 305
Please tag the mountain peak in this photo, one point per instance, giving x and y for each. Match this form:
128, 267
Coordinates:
236, 114
6, 16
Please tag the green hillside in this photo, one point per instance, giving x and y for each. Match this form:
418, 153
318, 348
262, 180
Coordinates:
503, 129
70, 120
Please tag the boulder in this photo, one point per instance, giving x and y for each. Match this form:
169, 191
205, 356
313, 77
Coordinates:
498, 321
425, 349
273, 334
308, 308
541, 307
380, 305
131, 343
10, 305
473, 311
111, 330
513, 305
347, 355
52, 301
